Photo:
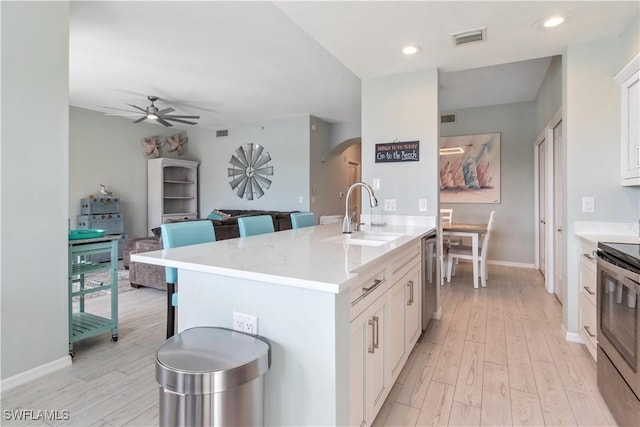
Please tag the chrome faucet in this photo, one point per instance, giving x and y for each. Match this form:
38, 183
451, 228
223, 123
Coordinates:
346, 222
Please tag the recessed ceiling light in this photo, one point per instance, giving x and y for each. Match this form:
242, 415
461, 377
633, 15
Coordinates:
410, 50
553, 21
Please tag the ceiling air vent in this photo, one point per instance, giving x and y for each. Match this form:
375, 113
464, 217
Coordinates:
220, 133
471, 36
448, 118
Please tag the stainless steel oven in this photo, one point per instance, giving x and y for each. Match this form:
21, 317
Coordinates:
618, 319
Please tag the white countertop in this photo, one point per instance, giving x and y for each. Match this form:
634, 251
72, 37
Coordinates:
319, 258
613, 232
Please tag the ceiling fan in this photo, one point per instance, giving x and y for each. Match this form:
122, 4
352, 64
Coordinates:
153, 113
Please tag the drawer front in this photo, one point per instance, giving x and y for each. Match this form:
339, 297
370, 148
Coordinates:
588, 256
106, 256
99, 206
405, 261
367, 290
588, 324
110, 223
587, 282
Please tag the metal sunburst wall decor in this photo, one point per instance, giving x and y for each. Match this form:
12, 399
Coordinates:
250, 170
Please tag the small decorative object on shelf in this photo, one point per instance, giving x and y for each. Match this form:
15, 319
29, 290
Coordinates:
152, 146
104, 191
250, 171
176, 141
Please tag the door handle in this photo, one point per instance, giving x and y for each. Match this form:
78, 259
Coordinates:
372, 347
410, 285
376, 341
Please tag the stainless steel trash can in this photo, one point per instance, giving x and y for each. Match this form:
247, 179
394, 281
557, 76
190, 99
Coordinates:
212, 377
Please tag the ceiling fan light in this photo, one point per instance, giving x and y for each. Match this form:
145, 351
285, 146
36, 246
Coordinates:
152, 116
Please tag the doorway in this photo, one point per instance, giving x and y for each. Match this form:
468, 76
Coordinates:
549, 207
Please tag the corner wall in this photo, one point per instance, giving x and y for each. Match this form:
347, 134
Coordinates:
34, 188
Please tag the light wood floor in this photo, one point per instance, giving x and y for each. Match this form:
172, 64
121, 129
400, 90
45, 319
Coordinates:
497, 357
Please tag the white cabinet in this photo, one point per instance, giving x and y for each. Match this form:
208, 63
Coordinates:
629, 80
172, 190
369, 386
588, 294
385, 325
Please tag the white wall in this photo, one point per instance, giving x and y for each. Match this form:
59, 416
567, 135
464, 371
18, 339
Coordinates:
592, 142
549, 97
286, 140
34, 186
512, 239
108, 150
402, 106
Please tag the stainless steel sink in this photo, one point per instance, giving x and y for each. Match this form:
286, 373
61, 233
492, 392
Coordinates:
365, 238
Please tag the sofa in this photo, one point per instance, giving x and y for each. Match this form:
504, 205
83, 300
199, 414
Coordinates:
152, 276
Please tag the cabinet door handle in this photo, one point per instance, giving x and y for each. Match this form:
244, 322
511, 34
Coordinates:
589, 257
410, 285
588, 329
375, 283
589, 291
376, 341
372, 347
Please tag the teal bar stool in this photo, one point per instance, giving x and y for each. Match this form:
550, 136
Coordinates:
302, 219
254, 225
175, 235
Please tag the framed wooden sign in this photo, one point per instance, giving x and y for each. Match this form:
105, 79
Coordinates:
398, 152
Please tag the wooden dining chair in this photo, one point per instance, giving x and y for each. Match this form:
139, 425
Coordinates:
465, 252
175, 235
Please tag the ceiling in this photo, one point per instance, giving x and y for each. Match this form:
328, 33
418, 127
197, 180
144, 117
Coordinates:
238, 62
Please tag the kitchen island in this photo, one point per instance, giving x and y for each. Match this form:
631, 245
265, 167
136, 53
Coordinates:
312, 290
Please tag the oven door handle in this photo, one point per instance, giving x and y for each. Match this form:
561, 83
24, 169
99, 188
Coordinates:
627, 277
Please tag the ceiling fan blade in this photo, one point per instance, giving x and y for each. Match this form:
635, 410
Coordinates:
140, 119
122, 114
178, 116
119, 109
136, 107
167, 124
176, 120
165, 111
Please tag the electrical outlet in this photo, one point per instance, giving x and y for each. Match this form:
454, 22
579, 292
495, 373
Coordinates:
300, 199
422, 205
238, 321
251, 324
389, 204
245, 323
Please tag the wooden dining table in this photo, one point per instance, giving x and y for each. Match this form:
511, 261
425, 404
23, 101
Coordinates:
474, 231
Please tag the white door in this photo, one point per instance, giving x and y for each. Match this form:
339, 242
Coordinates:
542, 206
558, 212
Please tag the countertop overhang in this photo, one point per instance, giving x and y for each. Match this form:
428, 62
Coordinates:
319, 258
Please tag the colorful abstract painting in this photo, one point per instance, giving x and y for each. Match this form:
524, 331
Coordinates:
470, 168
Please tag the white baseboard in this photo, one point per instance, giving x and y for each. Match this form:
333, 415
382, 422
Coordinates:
438, 314
34, 373
572, 336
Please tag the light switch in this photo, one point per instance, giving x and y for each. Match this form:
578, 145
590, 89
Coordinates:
588, 204
422, 205
375, 183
